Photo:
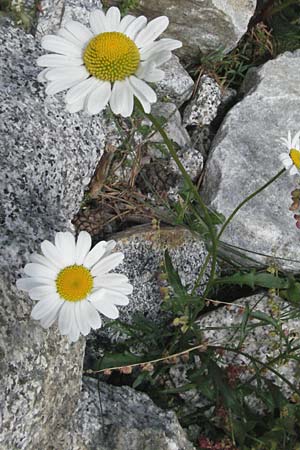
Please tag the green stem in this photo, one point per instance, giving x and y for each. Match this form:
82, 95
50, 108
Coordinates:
194, 189
247, 200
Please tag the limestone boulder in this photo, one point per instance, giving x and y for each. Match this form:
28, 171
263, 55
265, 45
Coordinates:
128, 419
244, 156
202, 25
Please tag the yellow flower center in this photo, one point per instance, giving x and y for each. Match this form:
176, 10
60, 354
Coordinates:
111, 56
295, 157
74, 283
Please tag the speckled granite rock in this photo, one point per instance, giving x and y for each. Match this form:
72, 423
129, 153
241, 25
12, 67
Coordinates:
58, 12
244, 156
209, 103
144, 248
202, 24
203, 108
46, 156
177, 85
261, 342
131, 420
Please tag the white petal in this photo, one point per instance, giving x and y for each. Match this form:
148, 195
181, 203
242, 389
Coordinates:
41, 76
154, 28
158, 46
65, 242
82, 317
57, 44
40, 259
293, 170
65, 317
125, 22
38, 270
43, 308
39, 292
98, 98
114, 98
108, 263
110, 245
286, 160
74, 331
81, 90
58, 61
116, 295
135, 26
51, 316
92, 316
105, 307
148, 72
109, 280
76, 106
83, 245
140, 86
69, 37
160, 57
80, 31
122, 98
98, 22
142, 99
60, 85
95, 254
121, 291
113, 17
295, 141
52, 254
25, 284
68, 73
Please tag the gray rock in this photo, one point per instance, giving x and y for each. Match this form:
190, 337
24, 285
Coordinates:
244, 156
47, 156
159, 168
57, 12
202, 24
208, 105
223, 326
177, 85
131, 420
144, 248
203, 108
174, 127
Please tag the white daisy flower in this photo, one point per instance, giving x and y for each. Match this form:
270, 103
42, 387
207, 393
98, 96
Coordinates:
291, 158
108, 64
72, 283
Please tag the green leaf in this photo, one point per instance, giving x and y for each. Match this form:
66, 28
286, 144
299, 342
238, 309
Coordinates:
173, 277
293, 291
252, 279
264, 318
118, 359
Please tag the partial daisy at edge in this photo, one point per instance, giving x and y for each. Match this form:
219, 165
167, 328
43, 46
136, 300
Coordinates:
72, 284
291, 158
110, 63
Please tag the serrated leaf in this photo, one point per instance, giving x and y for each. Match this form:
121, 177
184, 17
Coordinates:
252, 279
